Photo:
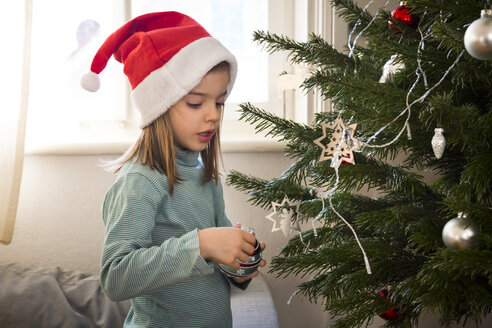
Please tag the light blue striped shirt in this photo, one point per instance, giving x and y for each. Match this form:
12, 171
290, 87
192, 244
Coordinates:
151, 253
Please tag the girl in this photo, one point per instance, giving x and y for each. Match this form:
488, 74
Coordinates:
166, 227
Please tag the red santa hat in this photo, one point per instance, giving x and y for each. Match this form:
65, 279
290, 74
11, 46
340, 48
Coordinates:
165, 55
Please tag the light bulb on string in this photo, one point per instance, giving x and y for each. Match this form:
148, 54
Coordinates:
438, 142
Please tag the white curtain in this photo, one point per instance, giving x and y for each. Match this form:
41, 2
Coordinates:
14, 85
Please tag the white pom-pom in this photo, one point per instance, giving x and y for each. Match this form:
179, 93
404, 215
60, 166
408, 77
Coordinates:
90, 82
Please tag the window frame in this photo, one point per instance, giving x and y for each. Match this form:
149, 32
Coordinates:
306, 16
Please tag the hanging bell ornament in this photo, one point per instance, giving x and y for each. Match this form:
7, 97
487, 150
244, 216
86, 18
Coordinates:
478, 36
390, 68
438, 142
460, 233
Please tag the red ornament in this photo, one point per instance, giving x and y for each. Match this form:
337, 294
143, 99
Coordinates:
402, 14
393, 313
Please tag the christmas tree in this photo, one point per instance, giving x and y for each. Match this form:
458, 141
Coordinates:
413, 90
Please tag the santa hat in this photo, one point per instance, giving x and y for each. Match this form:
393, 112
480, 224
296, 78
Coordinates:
165, 55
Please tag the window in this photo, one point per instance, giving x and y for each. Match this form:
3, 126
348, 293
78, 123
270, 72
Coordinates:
61, 114
64, 118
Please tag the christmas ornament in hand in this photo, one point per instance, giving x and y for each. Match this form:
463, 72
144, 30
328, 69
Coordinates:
438, 142
402, 14
245, 268
460, 233
390, 68
393, 312
478, 36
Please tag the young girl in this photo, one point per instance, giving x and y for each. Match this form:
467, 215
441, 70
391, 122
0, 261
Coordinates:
166, 226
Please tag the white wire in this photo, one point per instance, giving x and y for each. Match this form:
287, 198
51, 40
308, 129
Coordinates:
419, 59
352, 47
408, 108
330, 194
292, 296
355, 27
318, 217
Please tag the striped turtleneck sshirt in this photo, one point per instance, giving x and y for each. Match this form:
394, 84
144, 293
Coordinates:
151, 253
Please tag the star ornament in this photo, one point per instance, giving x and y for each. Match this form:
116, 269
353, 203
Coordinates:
339, 145
285, 211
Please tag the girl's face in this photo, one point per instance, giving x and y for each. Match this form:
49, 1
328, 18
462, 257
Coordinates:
196, 117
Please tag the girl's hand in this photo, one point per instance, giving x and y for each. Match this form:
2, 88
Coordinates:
226, 245
262, 264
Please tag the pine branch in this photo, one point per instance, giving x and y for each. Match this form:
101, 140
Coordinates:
272, 124
478, 175
263, 192
316, 51
255, 187
298, 173
351, 12
374, 174
458, 283
337, 85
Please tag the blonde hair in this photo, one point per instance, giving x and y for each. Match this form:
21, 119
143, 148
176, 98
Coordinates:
155, 148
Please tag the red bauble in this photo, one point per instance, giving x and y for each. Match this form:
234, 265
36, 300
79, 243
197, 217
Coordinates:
402, 14
391, 314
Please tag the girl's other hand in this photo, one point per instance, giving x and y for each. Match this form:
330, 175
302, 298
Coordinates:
226, 245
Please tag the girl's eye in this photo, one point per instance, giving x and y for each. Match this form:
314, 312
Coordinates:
220, 105
194, 105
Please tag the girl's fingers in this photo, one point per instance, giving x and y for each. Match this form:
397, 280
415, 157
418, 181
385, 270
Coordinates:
243, 257
249, 237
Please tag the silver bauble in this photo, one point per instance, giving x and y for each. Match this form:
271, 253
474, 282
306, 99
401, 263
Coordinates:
460, 233
478, 36
438, 142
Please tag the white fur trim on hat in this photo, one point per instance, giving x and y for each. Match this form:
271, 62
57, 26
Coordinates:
166, 85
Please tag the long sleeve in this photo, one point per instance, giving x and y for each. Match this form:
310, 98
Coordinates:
132, 264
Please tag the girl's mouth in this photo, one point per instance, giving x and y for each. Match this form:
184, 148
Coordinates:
206, 136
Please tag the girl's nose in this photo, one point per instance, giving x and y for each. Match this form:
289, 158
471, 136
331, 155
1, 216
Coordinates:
213, 112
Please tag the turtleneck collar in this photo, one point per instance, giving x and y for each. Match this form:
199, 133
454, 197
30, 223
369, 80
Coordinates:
186, 157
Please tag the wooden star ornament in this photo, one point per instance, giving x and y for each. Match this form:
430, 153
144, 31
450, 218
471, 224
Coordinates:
339, 145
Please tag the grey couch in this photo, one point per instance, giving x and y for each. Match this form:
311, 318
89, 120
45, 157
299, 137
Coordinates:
48, 298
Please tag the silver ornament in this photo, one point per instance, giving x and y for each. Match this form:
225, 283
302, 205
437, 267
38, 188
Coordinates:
438, 142
460, 233
390, 68
478, 36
